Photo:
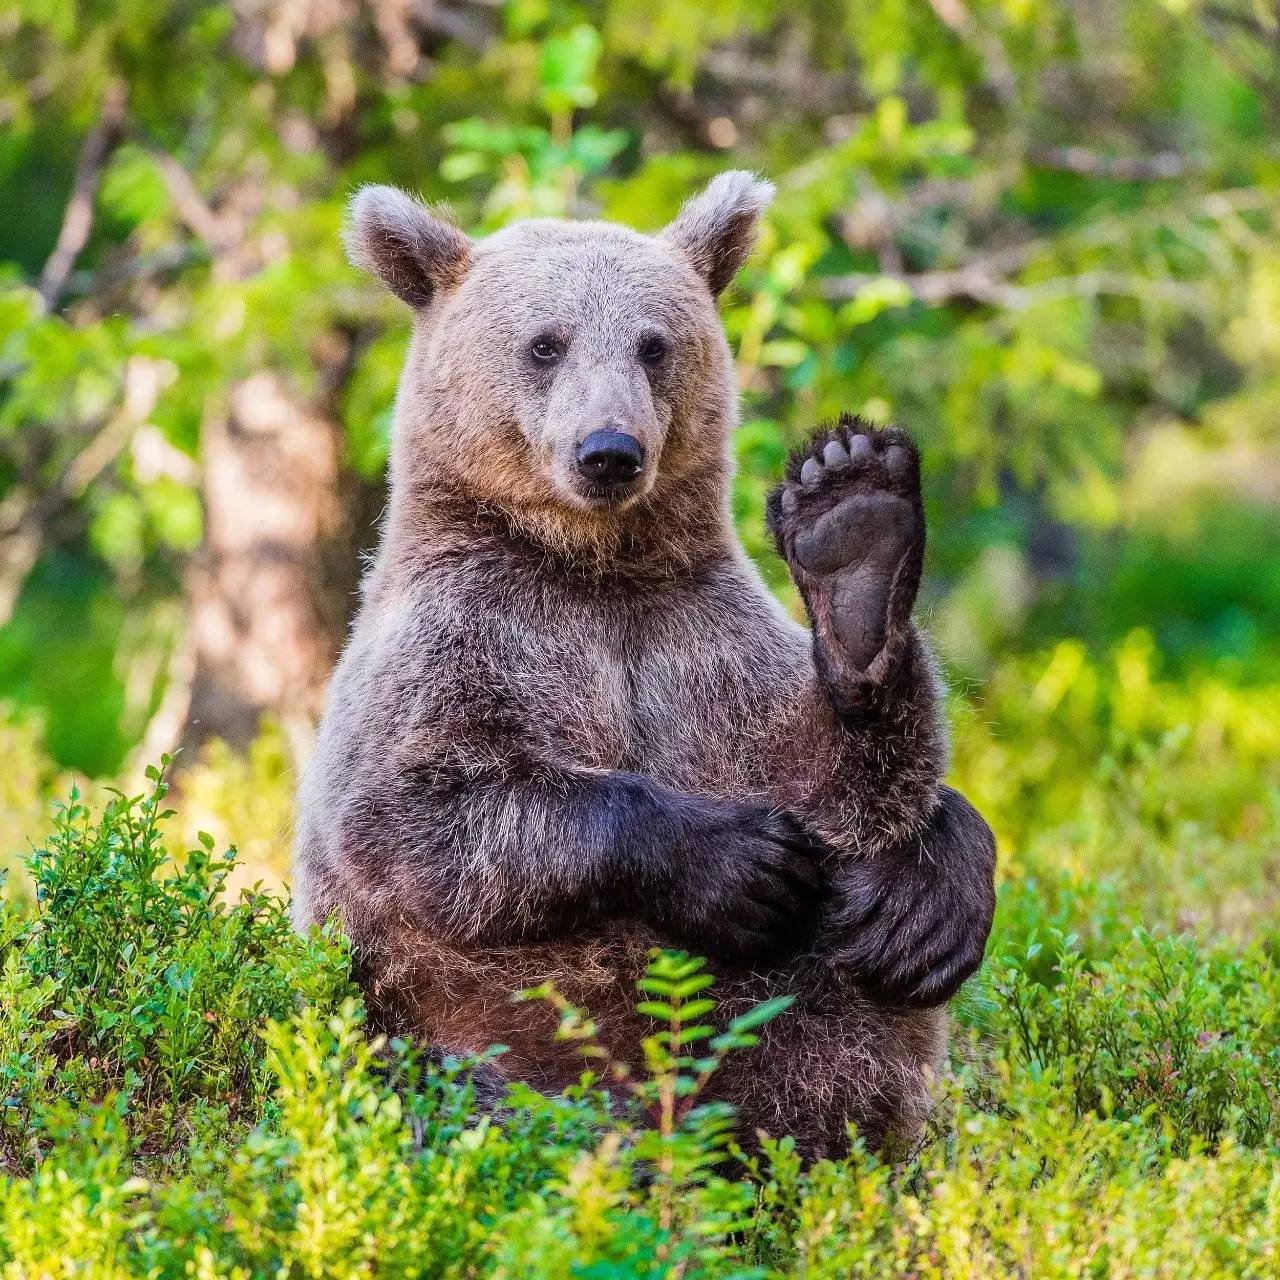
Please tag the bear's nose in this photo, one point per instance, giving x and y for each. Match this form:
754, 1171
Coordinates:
610, 457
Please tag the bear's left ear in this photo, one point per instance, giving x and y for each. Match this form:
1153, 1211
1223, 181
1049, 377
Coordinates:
399, 240
717, 229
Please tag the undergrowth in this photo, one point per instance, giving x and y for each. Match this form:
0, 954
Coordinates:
188, 1088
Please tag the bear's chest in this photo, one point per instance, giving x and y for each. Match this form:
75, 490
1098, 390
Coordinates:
566, 684
707, 686
684, 686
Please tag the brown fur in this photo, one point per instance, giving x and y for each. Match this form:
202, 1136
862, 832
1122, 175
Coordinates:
519, 646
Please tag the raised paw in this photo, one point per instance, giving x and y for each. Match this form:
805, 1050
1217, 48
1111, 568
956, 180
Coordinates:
849, 521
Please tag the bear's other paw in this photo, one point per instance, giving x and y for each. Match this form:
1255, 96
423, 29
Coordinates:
911, 924
849, 521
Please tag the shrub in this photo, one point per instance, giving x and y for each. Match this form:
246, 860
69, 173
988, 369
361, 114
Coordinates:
189, 1089
133, 975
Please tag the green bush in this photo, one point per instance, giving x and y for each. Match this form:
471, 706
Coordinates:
132, 978
188, 1089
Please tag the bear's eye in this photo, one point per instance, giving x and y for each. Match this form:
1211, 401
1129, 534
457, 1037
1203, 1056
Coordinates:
652, 349
545, 350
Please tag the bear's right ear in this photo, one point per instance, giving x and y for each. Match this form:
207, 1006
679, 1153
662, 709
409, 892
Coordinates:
399, 240
716, 230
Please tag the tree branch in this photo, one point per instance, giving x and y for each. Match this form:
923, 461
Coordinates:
27, 512
193, 211
987, 278
139, 269
77, 219
976, 283
1155, 167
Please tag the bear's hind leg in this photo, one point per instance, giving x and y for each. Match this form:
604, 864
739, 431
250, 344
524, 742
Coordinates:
836, 1059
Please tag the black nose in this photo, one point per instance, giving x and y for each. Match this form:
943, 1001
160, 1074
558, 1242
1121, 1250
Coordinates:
610, 457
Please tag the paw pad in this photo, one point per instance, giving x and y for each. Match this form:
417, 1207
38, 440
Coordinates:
853, 458
849, 521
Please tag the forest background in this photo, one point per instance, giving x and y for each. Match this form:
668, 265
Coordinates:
1043, 235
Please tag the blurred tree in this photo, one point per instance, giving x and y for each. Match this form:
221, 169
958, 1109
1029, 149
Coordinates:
1042, 233
273, 584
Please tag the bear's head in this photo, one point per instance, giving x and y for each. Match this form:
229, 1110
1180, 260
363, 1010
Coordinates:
572, 375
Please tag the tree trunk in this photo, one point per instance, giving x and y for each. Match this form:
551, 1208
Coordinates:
272, 590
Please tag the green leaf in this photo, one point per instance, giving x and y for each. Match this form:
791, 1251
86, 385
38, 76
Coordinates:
658, 1009
764, 1012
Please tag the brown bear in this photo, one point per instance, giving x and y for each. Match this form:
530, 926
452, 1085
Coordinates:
572, 723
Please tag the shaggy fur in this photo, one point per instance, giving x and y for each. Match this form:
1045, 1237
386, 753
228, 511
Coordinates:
569, 726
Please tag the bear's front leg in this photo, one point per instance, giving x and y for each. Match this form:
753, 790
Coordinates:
914, 891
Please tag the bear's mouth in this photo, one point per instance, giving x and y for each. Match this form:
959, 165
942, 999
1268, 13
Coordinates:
599, 496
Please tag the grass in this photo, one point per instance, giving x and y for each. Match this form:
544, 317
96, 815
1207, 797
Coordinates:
187, 1088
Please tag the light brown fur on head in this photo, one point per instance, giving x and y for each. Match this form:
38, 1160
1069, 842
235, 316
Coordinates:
640, 346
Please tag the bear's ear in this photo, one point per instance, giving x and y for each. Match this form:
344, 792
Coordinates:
716, 230
399, 240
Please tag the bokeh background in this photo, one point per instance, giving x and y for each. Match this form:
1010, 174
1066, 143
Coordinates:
1041, 234
1044, 235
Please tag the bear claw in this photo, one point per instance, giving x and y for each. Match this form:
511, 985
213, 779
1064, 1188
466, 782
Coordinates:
849, 521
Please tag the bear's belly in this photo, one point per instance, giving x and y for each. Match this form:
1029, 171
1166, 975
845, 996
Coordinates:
834, 1058
467, 1001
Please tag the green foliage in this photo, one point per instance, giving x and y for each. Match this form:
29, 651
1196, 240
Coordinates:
1122, 795
1162, 1027
1042, 235
133, 976
186, 1088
